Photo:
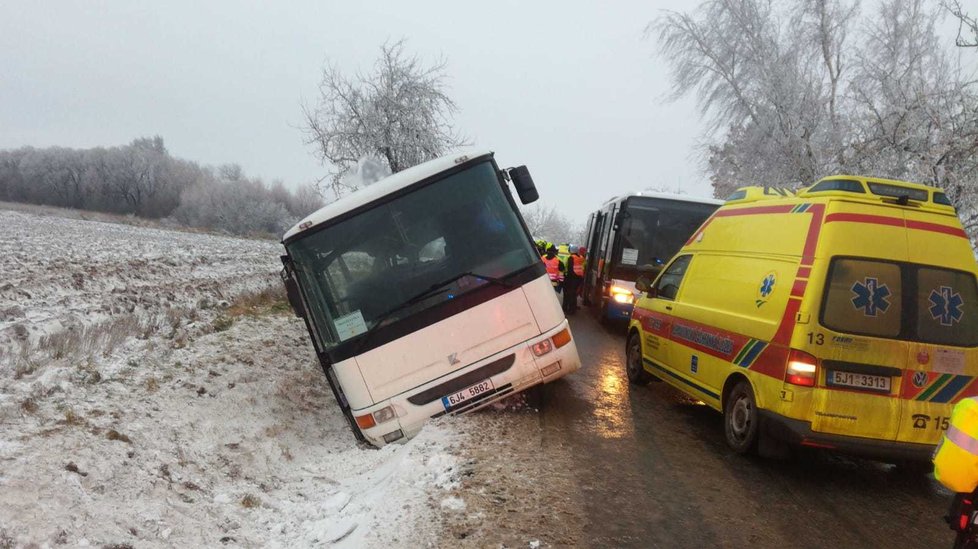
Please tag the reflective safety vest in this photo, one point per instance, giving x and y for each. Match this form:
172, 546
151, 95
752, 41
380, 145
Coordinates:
563, 252
578, 266
553, 268
956, 458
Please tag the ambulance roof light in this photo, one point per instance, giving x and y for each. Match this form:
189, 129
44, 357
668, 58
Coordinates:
892, 191
758, 192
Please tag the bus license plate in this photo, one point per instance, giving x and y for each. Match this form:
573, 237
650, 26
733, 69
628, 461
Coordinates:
450, 401
859, 381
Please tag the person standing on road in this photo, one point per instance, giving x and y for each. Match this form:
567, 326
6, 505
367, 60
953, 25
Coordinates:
555, 270
574, 269
580, 262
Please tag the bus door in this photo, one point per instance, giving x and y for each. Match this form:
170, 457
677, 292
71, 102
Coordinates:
602, 253
593, 237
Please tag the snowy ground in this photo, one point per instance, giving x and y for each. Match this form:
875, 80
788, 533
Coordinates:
142, 405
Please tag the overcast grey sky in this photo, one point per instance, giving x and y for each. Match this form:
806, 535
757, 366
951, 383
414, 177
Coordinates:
572, 89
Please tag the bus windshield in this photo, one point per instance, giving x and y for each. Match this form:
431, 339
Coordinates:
357, 271
652, 231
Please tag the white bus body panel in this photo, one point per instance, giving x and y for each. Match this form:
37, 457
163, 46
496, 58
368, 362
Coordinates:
507, 325
445, 346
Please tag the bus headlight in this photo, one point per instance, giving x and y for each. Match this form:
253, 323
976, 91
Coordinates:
622, 295
380, 416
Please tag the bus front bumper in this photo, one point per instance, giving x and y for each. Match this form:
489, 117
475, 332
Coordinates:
615, 310
473, 387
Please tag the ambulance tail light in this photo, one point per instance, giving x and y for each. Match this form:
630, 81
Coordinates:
802, 369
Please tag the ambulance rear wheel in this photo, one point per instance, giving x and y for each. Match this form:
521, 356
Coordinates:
740, 419
633, 361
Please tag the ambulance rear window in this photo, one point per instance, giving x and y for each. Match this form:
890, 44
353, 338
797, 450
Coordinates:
863, 297
901, 301
947, 307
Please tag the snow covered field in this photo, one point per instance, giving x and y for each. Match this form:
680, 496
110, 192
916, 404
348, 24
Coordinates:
141, 405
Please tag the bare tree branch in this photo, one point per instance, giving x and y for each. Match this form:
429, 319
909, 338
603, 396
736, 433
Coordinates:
967, 25
399, 114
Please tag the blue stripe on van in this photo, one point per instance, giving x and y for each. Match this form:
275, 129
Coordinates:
743, 350
951, 389
696, 386
752, 354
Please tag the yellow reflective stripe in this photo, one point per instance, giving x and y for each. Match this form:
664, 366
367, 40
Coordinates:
967, 442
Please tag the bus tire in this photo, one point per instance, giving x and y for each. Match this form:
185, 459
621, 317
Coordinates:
633, 361
741, 423
535, 397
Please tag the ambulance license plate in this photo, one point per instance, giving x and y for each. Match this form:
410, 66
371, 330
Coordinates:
450, 401
858, 381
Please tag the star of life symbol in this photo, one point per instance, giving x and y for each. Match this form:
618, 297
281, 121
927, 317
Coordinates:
946, 305
767, 285
871, 296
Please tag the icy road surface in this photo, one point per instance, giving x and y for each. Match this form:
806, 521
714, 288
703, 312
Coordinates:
136, 410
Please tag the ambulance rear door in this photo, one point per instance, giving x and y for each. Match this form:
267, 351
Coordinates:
864, 354
942, 355
862, 357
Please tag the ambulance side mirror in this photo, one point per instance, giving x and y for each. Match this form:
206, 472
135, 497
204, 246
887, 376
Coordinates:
523, 183
644, 284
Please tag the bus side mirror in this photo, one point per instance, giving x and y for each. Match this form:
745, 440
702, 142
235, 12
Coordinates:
292, 291
524, 184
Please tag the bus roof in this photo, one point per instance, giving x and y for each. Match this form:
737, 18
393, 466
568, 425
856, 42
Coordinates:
384, 187
664, 196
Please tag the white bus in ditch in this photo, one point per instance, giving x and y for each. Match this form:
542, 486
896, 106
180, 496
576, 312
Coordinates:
424, 296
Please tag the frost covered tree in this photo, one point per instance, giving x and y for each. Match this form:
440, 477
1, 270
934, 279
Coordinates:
796, 90
142, 178
967, 24
397, 116
234, 203
767, 77
546, 222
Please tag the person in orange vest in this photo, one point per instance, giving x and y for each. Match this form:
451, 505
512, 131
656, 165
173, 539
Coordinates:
581, 260
574, 274
555, 269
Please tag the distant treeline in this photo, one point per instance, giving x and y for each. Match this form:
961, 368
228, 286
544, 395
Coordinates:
143, 179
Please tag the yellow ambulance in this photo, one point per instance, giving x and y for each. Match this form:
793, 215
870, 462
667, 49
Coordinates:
843, 316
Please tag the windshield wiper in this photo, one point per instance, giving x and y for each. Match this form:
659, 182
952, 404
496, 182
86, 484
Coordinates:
433, 290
